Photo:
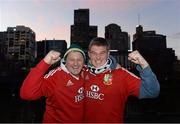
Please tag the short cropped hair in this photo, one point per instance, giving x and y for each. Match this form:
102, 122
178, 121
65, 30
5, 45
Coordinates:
99, 41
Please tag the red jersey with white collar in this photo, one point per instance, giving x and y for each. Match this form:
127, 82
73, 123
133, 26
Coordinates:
107, 93
64, 93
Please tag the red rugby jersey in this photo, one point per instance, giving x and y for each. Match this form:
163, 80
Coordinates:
64, 102
107, 93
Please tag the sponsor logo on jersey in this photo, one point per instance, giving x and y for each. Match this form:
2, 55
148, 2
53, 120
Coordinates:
81, 90
94, 88
94, 93
69, 83
80, 94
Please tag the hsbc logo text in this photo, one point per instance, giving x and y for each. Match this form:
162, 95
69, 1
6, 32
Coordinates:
94, 93
80, 95
81, 90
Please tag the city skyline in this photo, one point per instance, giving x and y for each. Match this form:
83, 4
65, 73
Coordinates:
51, 19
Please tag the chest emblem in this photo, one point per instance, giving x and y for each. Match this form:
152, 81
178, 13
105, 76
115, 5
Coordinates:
107, 79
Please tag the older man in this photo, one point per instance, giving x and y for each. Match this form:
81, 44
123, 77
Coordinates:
62, 87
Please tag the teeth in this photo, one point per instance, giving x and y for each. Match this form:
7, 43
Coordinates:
98, 62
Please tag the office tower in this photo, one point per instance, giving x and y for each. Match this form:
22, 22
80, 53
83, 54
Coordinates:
153, 47
81, 31
20, 44
148, 39
119, 42
2, 42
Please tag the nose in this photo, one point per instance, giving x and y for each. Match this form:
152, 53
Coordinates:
75, 63
98, 56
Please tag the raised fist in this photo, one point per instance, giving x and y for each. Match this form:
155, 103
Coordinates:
136, 58
52, 57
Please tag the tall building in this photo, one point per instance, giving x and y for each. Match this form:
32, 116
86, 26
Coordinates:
119, 42
153, 47
40, 50
81, 31
148, 39
20, 44
2, 42
2, 50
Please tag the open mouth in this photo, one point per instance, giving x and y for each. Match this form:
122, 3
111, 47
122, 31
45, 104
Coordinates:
75, 68
98, 62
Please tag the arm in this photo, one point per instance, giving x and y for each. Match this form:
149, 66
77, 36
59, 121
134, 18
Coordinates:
31, 87
35, 83
149, 86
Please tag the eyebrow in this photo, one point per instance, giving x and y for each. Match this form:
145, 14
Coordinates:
100, 52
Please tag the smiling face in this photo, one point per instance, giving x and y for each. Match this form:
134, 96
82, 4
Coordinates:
74, 62
98, 55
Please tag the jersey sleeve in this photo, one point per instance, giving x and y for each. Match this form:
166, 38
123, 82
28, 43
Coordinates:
35, 85
132, 83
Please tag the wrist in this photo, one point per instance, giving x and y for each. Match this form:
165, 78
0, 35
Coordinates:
144, 65
47, 60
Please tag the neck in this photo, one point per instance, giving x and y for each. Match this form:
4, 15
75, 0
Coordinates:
101, 68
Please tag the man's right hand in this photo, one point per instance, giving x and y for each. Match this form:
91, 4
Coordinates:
52, 57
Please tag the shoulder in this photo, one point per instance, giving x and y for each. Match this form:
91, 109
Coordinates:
85, 71
124, 71
85, 68
118, 66
53, 72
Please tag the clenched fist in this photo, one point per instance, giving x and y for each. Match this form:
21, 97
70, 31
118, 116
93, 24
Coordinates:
52, 57
136, 58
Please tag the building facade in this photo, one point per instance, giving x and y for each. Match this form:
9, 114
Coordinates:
153, 47
3, 36
81, 31
20, 44
119, 44
118, 40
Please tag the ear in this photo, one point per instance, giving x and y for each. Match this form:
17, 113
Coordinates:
108, 53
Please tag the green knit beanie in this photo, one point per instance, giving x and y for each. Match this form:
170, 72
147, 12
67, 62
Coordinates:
74, 47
